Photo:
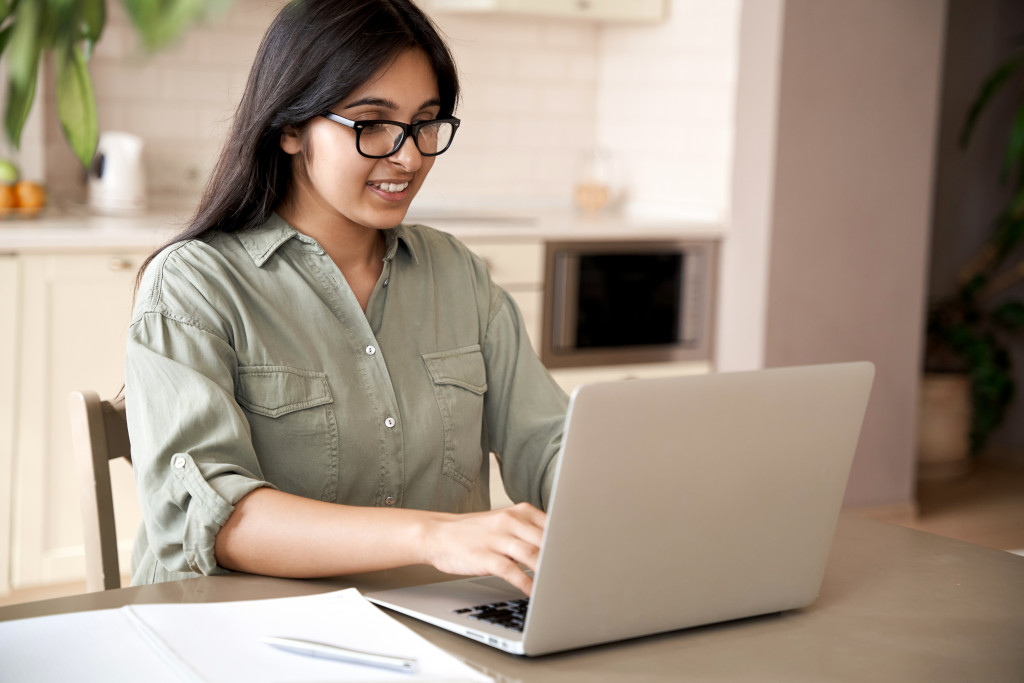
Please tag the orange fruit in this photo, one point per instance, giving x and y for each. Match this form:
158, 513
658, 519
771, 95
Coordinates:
8, 198
30, 195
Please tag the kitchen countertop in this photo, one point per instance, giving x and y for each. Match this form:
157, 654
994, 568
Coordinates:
76, 231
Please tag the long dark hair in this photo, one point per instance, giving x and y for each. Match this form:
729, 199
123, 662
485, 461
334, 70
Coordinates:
315, 53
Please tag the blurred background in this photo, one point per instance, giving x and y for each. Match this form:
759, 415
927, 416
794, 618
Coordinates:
819, 140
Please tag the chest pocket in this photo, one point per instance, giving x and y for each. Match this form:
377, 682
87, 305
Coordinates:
459, 377
294, 429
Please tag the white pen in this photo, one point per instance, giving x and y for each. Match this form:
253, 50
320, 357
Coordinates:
311, 648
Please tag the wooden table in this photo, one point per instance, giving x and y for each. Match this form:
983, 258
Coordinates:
896, 605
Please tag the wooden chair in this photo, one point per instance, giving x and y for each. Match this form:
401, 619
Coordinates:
99, 434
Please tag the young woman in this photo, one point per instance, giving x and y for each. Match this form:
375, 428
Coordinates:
313, 388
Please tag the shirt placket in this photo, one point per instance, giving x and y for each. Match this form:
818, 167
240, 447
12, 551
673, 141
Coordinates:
374, 375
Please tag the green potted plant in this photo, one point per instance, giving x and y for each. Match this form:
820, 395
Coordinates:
69, 30
969, 333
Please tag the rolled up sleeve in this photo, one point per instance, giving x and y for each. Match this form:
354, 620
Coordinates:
525, 408
191, 449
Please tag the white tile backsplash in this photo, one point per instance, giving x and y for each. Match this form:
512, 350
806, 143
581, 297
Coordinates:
538, 93
681, 74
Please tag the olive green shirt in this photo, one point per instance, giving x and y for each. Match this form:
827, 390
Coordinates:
250, 363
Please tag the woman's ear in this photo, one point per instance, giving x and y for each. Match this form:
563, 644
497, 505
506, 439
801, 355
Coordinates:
291, 141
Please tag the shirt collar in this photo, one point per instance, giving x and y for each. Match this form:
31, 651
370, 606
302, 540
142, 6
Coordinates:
263, 242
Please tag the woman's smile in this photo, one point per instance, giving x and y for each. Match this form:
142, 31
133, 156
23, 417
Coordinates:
391, 191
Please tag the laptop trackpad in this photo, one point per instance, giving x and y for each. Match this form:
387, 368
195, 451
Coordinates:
501, 587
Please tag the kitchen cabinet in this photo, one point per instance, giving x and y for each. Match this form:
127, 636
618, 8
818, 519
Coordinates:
518, 267
594, 10
74, 315
9, 308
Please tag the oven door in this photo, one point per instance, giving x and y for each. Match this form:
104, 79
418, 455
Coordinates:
617, 302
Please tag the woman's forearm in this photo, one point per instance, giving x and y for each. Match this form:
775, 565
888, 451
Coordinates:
279, 534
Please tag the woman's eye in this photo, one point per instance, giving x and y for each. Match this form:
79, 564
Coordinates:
375, 129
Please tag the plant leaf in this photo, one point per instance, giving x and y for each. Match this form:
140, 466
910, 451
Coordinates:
1016, 205
990, 87
1009, 316
1006, 238
5, 37
52, 14
93, 17
19, 104
1014, 157
24, 47
8, 9
161, 23
76, 104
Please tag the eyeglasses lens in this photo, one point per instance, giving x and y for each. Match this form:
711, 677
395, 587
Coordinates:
384, 139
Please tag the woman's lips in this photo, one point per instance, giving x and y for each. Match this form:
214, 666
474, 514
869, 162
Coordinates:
390, 191
391, 187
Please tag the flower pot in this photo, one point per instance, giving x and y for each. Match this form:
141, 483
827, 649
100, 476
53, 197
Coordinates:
943, 428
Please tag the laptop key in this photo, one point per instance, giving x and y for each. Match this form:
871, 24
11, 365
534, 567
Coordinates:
510, 614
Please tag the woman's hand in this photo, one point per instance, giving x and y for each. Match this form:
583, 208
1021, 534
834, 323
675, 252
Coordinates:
494, 542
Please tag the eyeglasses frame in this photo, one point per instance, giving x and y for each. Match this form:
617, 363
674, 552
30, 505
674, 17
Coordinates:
408, 130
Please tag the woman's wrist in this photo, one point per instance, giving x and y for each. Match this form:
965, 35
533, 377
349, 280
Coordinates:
424, 538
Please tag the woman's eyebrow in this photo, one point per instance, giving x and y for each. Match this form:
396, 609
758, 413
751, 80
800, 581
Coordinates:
388, 104
372, 101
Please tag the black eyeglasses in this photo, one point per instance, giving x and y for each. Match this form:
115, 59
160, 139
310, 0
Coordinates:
378, 139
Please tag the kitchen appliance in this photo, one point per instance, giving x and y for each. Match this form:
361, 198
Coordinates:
117, 176
618, 301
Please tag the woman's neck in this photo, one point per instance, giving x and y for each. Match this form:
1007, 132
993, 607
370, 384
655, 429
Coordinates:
357, 250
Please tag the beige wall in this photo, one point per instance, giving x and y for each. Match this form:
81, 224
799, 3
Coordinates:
859, 87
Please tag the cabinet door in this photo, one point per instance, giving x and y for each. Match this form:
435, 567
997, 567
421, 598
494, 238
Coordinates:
9, 311
518, 267
75, 315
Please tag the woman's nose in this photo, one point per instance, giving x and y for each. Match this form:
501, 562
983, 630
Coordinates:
408, 155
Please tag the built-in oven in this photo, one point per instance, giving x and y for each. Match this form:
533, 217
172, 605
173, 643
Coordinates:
617, 301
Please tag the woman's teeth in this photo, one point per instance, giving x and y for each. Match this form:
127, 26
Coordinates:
392, 187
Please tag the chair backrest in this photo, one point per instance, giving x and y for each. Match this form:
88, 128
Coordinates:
99, 434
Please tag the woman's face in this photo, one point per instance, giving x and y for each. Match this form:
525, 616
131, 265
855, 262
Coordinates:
338, 182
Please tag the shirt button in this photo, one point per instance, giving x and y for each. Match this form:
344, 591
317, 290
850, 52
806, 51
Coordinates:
370, 350
389, 501
389, 423
179, 462
386, 281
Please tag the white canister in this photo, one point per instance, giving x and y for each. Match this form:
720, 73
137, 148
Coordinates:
117, 176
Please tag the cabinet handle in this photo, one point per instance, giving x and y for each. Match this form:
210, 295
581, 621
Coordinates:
119, 264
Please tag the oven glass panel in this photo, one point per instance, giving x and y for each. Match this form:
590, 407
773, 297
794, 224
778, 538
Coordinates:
629, 299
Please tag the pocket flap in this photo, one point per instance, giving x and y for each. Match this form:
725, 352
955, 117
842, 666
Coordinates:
275, 390
462, 367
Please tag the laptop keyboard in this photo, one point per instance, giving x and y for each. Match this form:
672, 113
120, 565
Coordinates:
510, 614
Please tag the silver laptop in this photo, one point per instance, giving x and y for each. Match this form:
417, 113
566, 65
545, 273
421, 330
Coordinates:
677, 502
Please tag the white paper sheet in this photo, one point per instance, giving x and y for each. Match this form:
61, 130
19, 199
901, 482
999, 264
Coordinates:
83, 646
217, 642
